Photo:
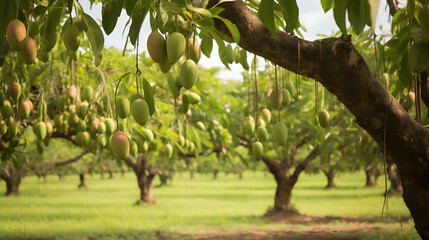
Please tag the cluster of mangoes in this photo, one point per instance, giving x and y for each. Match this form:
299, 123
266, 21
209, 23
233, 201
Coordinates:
20, 42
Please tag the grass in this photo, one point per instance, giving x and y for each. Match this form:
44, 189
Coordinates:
106, 210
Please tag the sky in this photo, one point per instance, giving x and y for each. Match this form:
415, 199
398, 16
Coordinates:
310, 14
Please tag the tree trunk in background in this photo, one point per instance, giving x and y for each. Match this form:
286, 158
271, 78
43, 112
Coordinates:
146, 189
13, 180
82, 180
370, 177
163, 179
61, 176
215, 172
191, 174
110, 174
395, 179
330, 177
240, 175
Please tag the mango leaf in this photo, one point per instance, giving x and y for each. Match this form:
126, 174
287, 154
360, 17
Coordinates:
291, 14
37, 72
356, 19
129, 6
206, 43
340, 14
327, 5
232, 29
148, 96
95, 36
374, 9
201, 11
216, 10
138, 17
110, 14
53, 20
266, 14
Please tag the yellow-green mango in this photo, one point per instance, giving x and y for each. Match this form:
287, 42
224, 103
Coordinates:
40, 130
274, 100
15, 91
193, 50
229, 54
87, 94
262, 134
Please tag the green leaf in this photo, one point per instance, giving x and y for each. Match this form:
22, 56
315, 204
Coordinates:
7, 11
37, 72
232, 29
138, 17
356, 19
95, 36
291, 14
266, 14
53, 20
148, 96
340, 14
110, 14
327, 5
206, 43
374, 9
129, 6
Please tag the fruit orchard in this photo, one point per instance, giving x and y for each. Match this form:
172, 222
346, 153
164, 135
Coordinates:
58, 80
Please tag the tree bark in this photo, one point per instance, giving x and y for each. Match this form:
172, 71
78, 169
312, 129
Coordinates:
370, 177
110, 174
144, 180
82, 181
12, 177
215, 172
283, 193
395, 179
337, 65
330, 174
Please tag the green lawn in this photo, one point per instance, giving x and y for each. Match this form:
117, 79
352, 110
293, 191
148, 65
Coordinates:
106, 210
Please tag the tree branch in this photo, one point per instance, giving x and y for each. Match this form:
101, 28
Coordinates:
302, 165
295, 149
58, 164
272, 165
393, 6
425, 88
336, 64
130, 163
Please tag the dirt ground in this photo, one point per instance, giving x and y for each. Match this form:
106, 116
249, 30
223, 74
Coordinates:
301, 227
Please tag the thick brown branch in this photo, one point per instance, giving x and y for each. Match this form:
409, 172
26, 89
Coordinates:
130, 163
302, 165
193, 155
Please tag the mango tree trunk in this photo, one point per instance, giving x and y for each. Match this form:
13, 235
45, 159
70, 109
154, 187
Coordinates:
370, 177
12, 177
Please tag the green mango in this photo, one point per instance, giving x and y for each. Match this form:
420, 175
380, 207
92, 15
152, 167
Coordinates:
280, 133
40, 130
229, 54
176, 44
7, 110
147, 134
188, 74
286, 98
266, 114
123, 107
249, 125
258, 150
110, 126
82, 109
15, 91
192, 50
193, 98
323, 118
262, 134
140, 111
87, 94
71, 37
274, 101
